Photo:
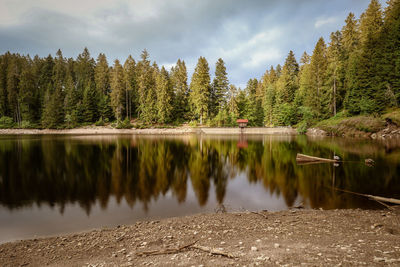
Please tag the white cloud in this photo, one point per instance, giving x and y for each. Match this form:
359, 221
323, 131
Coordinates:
322, 21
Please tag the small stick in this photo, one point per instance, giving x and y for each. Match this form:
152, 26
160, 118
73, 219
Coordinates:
165, 251
214, 251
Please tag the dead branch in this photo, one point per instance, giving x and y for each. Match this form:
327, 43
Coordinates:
214, 251
376, 198
165, 251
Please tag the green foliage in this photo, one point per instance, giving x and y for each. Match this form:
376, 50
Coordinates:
100, 122
181, 91
125, 124
285, 114
219, 88
164, 97
118, 90
340, 124
200, 90
6, 122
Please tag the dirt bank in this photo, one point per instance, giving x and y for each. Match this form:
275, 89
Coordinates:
288, 238
99, 130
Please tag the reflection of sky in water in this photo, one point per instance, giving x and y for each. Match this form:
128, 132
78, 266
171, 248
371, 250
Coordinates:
265, 177
42, 221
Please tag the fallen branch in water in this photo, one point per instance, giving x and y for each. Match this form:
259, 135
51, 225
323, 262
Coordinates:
166, 251
376, 198
301, 158
214, 251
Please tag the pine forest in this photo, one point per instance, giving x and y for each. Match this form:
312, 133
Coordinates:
356, 71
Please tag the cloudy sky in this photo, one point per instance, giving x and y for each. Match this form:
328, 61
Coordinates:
249, 35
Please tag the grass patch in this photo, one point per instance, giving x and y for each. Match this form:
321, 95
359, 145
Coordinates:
392, 116
339, 125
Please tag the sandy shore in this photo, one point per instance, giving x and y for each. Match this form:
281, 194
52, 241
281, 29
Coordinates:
287, 238
151, 131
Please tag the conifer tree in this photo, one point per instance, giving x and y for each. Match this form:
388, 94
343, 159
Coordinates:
4, 61
181, 90
200, 89
269, 104
146, 88
27, 93
13, 76
164, 96
389, 63
118, 90
370, 94
254, 111
103, 88
102, 75
287, 84
131, 86
90, 103
317, 98
219, 88
232, 102
335, 71
84, 76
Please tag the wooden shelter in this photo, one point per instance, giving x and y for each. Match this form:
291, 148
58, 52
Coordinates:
242, 122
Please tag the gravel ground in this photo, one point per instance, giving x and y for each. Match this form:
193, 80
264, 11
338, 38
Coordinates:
287, 238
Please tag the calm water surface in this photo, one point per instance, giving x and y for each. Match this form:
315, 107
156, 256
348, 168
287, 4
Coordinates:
61, 184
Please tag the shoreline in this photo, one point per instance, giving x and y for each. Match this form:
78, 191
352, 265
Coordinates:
292, 237
101, 130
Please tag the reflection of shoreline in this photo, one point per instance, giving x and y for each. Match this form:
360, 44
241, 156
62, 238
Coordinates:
83, 169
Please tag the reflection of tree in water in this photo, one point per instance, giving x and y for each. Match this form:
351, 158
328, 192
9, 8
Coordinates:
57, 171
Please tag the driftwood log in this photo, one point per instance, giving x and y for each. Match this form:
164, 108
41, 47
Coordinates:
301, 158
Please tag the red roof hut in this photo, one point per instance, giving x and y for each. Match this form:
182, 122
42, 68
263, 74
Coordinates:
242, 122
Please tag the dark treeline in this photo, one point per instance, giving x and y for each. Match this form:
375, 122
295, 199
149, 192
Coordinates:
357, 72
67, 170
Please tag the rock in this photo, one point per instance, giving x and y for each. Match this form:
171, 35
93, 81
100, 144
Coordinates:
276, 245
254, 248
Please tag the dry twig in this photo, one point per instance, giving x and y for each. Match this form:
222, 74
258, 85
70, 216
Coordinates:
214, 251
165, 251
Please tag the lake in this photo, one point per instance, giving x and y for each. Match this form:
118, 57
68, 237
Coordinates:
62, 184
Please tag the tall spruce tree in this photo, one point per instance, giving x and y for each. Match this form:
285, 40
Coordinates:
27, 92
13, 76
370, 94
146, 88
254, 111
200, 89
103, 87
336, 71
131, 87
4, 61
118, 90
219, 88
288, 81
164, 96
317, 98
181, 91
389, 63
